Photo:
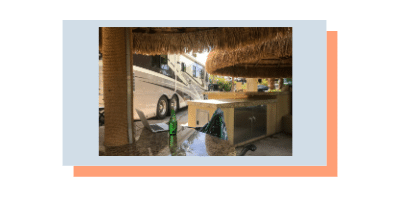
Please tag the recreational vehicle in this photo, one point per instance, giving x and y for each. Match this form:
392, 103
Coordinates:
162, 82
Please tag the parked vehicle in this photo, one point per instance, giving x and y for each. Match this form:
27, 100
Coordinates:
243, 80
162, 82
287, 81
262, 88
213, 87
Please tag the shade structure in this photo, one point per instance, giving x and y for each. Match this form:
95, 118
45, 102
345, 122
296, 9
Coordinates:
267, 59
178, 40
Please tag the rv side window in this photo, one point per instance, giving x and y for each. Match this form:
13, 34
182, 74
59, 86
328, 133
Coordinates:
194, 70
148, 62
155, 63
165, 69
183, 67
164, 59
201, 73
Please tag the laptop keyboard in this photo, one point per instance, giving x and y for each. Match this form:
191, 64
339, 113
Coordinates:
156, 127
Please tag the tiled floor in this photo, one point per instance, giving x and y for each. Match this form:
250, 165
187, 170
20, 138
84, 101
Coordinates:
279, 144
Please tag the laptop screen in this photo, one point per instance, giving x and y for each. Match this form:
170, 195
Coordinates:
143, 119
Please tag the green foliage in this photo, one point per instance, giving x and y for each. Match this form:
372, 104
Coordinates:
288, 80
264, 82
222, 83
225, 85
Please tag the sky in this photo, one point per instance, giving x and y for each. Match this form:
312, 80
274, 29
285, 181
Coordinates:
202, 57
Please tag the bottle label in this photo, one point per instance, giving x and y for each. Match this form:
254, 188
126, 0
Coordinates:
172, 128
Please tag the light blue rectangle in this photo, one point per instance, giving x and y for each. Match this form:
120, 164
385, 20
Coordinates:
81, 86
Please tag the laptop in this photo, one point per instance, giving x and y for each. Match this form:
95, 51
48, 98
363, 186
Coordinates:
153, 127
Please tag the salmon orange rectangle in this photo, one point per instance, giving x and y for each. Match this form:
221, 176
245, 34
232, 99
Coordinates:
245, 171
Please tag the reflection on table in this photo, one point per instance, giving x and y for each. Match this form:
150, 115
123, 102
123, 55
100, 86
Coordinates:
187, 142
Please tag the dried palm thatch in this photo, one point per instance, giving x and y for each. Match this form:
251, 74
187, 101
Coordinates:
269, 59
237, 47
100, 38
169, 40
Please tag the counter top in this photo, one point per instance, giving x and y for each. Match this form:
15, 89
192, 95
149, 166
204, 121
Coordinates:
187, 142
229, 103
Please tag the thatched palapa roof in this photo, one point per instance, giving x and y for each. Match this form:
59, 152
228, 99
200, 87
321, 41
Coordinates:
253, 52
268, 59
178, 40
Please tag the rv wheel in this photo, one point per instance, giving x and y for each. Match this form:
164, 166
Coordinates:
162, 107
173, 104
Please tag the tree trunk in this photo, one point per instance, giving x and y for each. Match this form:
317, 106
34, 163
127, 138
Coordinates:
281, 83
271, 83
233, 84
115, 86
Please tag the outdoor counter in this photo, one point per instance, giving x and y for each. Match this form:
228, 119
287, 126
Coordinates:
229, 103
283, 104
245, 95
246, 120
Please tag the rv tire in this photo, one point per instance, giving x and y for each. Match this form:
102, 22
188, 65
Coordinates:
174, 99
162, 107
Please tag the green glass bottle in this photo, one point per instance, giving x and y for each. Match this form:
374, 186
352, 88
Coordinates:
173, 124
173, 145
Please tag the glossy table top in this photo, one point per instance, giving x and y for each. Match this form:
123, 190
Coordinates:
187, 142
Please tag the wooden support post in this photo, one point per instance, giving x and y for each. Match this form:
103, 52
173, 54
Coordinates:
115, 76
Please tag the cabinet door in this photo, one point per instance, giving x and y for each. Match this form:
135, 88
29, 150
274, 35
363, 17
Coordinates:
242, 124
259, 122
202, 117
